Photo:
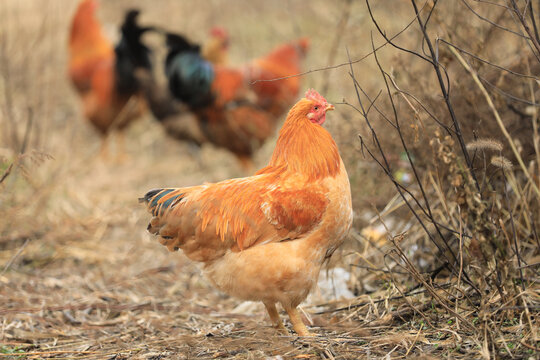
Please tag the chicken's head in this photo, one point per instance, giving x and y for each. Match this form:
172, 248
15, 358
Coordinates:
319, 107
221, 35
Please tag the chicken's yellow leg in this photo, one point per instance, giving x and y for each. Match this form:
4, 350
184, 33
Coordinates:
297, 323
274, 317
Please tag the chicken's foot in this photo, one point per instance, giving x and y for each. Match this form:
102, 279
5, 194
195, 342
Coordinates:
297, 323
274, 317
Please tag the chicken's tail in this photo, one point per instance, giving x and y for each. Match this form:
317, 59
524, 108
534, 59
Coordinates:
160, 201
131, 54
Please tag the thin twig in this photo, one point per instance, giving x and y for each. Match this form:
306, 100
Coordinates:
492, 22
486, 61
340, 30
446, 94
526, 27
6, 173
14, 257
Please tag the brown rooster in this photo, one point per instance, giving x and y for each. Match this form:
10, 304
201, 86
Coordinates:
283, 62
103, 76
265, 237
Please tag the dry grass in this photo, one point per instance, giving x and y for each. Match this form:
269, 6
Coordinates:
80, 278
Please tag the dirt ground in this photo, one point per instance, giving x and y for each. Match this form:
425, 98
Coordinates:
80, 277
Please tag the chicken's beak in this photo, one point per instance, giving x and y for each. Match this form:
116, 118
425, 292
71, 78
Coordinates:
329, 107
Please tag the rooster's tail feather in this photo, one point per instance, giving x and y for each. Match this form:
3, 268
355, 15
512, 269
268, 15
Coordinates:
160, 200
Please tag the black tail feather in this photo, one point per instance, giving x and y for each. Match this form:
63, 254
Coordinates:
153, 197
149, 195
131, 53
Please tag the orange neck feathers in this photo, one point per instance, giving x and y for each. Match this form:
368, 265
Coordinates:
86, 37
305, 147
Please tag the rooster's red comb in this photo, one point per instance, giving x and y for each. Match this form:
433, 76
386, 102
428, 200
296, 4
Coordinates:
311, 94
219, 32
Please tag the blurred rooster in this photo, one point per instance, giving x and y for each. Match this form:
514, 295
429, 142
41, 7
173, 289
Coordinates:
103, 76
265, 237
231, 113
283, 62
174, 115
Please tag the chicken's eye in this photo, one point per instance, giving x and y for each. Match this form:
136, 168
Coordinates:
316, 108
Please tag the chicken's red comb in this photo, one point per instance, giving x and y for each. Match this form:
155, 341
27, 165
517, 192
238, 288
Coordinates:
311, 94
220, 32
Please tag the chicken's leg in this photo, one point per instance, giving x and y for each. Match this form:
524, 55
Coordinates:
274, 317
297, 323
